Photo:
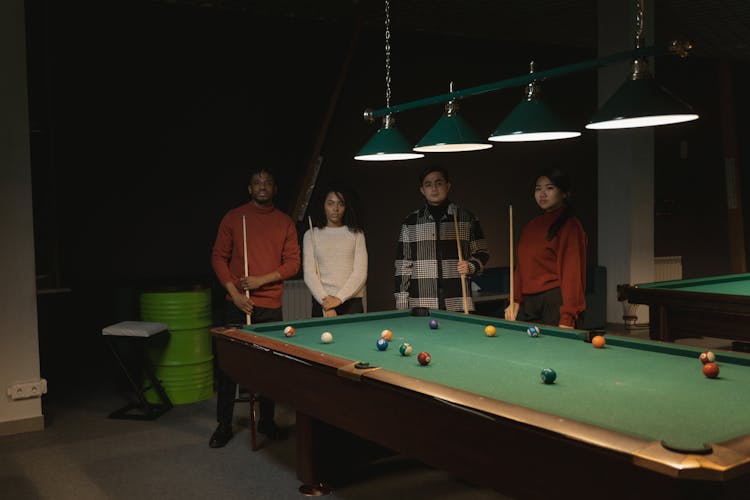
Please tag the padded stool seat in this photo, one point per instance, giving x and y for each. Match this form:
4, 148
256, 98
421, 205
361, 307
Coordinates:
136, 334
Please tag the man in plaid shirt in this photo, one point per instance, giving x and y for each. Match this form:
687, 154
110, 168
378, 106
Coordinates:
428, 271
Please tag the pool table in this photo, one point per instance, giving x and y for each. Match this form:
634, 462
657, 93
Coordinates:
635, 416
717, 306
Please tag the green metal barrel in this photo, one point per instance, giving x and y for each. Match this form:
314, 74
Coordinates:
185, 364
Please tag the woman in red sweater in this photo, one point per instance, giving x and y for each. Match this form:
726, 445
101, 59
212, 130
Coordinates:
550, 276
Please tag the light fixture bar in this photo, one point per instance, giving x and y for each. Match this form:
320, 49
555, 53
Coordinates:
678, 48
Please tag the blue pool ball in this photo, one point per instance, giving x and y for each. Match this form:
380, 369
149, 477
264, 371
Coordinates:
382, 344
548, 376
433, 324
533, 331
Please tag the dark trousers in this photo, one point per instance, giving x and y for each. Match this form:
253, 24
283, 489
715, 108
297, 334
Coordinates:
543, 307
351, 306
226, 387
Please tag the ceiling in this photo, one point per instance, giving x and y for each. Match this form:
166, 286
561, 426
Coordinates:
718, 29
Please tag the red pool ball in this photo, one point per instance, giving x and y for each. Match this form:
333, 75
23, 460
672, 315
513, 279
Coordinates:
424, 358
711, 370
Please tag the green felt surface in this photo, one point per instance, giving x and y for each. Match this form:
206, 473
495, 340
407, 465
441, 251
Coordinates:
651, 390
733, 284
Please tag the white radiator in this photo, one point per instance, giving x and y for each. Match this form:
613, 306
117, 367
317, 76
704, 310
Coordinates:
668, 268
296, 303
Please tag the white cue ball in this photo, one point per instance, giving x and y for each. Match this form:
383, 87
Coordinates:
326, 338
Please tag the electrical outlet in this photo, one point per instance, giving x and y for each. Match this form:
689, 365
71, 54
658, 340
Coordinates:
26, 390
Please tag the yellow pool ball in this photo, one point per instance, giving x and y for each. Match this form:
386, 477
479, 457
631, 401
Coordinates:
489, 330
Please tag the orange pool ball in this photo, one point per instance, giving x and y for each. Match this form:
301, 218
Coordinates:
489, 330
598, 341
387, 335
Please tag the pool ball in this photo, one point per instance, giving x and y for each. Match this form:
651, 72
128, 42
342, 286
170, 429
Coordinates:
711, 370
382, 344
326, 337
598, 341
533, 331
424, 358
433, 324
489, 330
405, 349
289, 331
707, 357
548, 376
387, 335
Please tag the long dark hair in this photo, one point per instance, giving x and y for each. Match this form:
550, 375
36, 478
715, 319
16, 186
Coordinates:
350, 220
561, 181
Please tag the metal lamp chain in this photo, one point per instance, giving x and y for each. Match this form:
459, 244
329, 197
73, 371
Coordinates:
387, 54
638, 23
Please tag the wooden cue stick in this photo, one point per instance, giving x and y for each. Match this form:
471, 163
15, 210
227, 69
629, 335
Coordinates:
460, 257
510, 216
312, 240
248, 321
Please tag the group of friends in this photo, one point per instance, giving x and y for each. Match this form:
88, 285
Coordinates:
439, 245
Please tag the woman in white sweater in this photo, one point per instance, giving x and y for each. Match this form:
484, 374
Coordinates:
335, 256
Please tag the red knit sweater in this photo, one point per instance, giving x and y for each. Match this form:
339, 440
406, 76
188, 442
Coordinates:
561, 262
271, 246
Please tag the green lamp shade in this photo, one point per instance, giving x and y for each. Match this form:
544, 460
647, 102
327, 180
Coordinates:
386, 145
641, 103
451, 134
532, 120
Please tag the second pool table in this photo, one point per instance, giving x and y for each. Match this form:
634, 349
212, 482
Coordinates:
633, 417
716, 306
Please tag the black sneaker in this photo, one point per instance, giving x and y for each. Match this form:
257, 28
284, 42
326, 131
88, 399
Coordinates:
272, 431
221, 436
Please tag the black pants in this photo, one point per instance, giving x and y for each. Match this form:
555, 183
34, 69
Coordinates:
226, 387
543, 307
351, 306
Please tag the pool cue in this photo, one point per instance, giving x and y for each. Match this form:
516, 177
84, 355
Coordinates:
510, 216
244, 248
460, 258
312, 240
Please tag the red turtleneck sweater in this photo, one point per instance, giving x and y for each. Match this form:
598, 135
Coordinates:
560, 262
271, 246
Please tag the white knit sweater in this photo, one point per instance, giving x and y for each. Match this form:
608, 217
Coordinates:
341, 257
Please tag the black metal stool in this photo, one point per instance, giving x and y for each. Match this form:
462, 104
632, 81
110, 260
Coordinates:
137, 334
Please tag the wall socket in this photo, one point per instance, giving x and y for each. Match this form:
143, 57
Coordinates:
26, 390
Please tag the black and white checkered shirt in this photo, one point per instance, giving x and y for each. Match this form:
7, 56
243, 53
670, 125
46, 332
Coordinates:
427, 259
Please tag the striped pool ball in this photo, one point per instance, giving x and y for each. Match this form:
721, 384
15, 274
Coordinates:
533, 331
548, 376
405, 349
289, 331
387, 334
707, 357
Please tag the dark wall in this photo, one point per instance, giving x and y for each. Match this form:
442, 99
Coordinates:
149, 118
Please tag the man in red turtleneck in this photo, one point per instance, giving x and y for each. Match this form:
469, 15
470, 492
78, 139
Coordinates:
272, 256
